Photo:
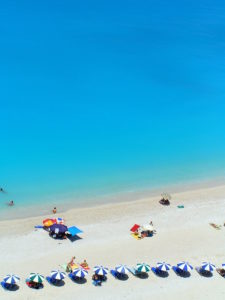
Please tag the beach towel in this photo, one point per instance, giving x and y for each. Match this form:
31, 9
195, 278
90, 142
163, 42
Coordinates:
39, 226
73, 230
218, 227
74, 266
85, 268
136, 236
135, 228
180, 206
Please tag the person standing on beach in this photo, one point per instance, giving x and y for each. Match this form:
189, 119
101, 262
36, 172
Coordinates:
69, 267
54, 210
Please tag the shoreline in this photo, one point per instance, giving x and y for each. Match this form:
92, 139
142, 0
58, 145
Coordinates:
106, 209
181, 234
15, 213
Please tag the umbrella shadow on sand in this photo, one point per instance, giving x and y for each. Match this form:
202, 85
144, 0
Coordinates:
10, 287
78, 280
74, 238
181, 273
204, 273
141, 275
57, 283
159, 273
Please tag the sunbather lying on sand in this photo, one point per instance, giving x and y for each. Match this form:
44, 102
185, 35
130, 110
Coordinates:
84, 264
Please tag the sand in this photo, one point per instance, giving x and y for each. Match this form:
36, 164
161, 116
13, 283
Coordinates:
182, 234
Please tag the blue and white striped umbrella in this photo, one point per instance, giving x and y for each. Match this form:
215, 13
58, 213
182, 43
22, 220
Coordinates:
207, 266
58, 275
123, 269
80, 272
163, 266
100, 270
11, 279
185, 266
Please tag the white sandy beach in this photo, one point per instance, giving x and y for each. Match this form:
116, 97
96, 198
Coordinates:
182, 234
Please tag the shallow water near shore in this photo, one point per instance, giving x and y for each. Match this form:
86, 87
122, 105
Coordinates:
125, 97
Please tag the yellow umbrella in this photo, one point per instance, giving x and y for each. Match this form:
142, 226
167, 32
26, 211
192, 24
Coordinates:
48, 222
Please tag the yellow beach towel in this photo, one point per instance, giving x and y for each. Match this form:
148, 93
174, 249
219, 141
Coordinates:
136, 236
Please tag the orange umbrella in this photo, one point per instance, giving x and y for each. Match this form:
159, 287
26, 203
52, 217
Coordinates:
49, 222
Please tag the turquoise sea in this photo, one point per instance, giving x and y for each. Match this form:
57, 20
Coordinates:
101, 97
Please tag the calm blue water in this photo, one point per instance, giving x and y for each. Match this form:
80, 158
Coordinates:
100, 97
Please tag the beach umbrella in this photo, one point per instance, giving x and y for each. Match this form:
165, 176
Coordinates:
148, 227
60, 221
80, 272
143, 267
166, 196
49, 222
100, 270
58, 275
58, 228
185, 266
223, 266
36, 277
163, 266
122, 269
11, 279
207, 266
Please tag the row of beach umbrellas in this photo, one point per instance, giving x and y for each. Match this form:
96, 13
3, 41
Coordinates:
100, 270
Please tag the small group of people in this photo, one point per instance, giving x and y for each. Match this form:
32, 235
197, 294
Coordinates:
71, 264
145, 232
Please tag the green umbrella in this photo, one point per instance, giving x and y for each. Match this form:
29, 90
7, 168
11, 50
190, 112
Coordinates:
36, 277
143, 267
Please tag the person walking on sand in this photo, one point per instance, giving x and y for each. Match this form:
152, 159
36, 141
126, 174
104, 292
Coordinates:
54, 210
